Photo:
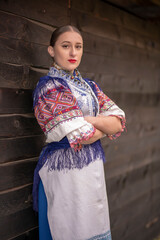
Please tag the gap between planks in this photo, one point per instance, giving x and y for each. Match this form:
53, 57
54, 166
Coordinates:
15, 188
33, 159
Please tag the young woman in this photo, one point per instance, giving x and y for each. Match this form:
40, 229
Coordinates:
69, 189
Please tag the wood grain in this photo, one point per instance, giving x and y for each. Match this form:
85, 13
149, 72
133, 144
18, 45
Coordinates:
13, 149
19, 27
89, 23
106, 12
16, 174
122, 54
29, 235
15, 101
26, 53
16, 76
15, 199
48, 12
19, 125
17, 223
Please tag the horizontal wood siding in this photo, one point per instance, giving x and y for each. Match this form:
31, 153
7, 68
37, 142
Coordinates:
25, 30
122, 54
124, 57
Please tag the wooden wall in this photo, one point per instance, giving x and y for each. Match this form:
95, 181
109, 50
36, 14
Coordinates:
122, 53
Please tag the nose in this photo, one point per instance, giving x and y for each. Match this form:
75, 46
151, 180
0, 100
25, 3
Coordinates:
73, 51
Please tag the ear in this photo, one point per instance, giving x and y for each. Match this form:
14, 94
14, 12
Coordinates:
51, 51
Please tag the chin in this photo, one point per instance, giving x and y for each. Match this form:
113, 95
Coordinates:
71, 69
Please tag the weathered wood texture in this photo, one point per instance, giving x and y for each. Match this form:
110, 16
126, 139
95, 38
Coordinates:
121, 53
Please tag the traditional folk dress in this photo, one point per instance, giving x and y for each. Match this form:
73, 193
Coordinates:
69, 175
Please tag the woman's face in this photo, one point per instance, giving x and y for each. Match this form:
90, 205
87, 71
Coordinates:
68, 50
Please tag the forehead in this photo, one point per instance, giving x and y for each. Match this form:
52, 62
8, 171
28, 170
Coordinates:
72, 37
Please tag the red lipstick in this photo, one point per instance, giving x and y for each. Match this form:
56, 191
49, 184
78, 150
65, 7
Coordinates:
72, 60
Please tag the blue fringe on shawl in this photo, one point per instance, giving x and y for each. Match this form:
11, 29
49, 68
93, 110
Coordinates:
92, 152
95, 149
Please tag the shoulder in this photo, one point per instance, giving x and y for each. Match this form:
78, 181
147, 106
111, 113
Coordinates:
95, 86
47, 83
93, 83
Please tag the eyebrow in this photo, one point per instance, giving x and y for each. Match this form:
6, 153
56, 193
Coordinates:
70, 42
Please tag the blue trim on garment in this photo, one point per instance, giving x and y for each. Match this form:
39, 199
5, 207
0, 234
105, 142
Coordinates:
44, 230
104, 236
92, 85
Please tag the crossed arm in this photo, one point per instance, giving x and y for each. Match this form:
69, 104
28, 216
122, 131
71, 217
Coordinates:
104, 125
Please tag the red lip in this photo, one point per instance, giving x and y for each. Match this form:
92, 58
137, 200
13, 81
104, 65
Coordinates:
72, 60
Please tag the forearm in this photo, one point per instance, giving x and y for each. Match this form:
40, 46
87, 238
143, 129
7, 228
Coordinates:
106, 124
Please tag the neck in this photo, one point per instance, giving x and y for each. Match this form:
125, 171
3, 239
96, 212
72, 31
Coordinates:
60, 68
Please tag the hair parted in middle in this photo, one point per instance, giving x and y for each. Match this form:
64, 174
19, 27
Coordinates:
61, 30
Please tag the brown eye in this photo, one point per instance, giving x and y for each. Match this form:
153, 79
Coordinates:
65, 46
78, 46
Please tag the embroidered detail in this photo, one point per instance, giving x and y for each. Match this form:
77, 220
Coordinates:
79, 87
60, 118
106, 104
46, 83
123, 122
105, 236
82, 134
56, 107
66, 75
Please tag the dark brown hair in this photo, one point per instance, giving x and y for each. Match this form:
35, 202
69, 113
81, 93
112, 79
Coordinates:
60, 30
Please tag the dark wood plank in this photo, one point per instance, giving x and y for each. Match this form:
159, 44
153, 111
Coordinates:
49, 12
19, 76
89, 23
15, 200
142, 233
19, 125
119, 163
26, 77
136, 99
146, 120
120, 82
29, 235
143, 203
132, 147
106, 65
26, 53
17, 223
21, 28
15, 100
106, 12
120, 190
104, 46
127, 212
13, 149
136, 216
16, 174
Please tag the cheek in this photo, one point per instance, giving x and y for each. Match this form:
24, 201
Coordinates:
59, 56
80, 56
